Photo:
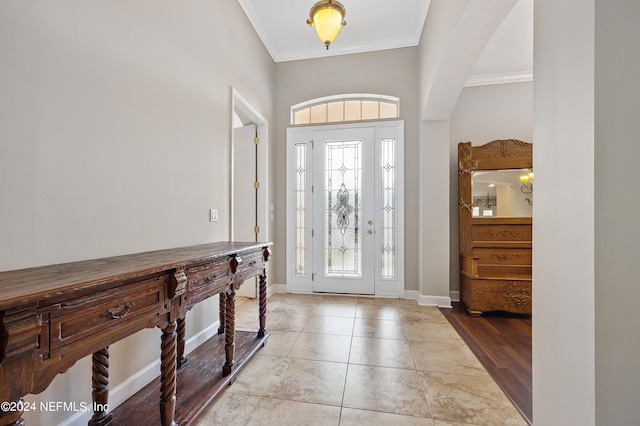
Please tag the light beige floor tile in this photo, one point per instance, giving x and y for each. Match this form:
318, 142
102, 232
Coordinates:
229, 409
382, 329
351, 417
399, 359
390, 390
422, 313
336, 309
286, 322
246, 303
279, 343
256, 375
329, 325
316, 382
337, 298
431, 331
381, 352
321, 347
386, 312
469, 399
278, 412
246, 321
377, 301
291, 307
446, 357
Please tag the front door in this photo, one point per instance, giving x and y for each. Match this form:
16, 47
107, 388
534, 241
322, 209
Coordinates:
343, 216
345, 209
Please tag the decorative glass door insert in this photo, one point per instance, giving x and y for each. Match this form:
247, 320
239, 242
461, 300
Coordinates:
343, 251
343, 194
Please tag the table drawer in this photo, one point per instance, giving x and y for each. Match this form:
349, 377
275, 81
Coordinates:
252, 264
206, 280
93, 314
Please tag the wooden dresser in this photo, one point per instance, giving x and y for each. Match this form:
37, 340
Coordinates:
52, 316
495, 251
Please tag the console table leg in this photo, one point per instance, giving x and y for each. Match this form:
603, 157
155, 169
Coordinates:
262, 315
230, 329
168, 375
181, 359
100, 383
223, 312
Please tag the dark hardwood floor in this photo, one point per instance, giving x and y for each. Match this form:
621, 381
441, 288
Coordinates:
502, 343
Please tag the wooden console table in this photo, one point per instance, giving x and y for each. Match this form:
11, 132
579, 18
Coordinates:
52, 316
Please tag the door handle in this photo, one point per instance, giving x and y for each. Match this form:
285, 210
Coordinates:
369, 232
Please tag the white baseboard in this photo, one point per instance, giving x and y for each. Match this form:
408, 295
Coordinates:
455, 296
440, 301
276, 288
426, 300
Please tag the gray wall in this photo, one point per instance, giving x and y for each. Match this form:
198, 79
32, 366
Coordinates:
483, 114
114, 138
617, 242
388, 72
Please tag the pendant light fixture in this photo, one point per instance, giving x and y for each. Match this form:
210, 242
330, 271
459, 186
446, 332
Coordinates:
327, 16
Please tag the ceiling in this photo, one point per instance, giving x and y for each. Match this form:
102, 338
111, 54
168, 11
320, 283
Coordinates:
377, 25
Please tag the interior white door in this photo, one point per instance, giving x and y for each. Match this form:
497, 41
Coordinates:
244, 193
343, 211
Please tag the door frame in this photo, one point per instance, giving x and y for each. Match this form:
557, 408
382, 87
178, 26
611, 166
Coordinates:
303, 135
245, 109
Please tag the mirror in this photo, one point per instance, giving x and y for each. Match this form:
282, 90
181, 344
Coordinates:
502, 193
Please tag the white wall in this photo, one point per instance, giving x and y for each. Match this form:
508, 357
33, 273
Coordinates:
483, 114
563, 214
387, 72
586, 327
114, 139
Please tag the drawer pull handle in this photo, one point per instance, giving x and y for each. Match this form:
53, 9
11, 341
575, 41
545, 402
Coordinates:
211, 278
505, 233
119, 311
505, 257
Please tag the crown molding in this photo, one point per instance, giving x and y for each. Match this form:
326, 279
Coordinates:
499, 78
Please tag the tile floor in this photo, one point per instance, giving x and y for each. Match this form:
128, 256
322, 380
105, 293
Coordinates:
339, 360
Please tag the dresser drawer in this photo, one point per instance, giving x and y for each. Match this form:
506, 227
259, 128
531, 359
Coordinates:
207, 280
502, 233
484, 295
502, 256
93, 314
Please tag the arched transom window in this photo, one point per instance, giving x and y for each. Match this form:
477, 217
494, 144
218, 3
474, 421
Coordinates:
348, 107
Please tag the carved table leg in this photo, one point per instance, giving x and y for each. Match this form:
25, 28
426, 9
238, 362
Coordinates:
12, 416
230, 329
223, 312
100, 383
262, 315
168, 375
181, 359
